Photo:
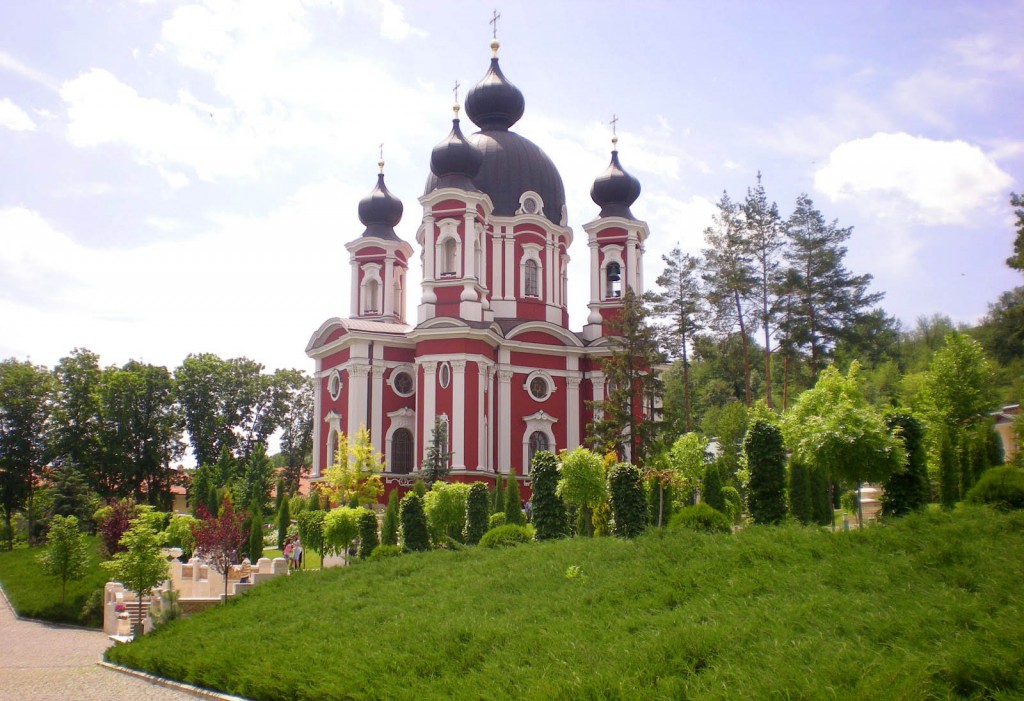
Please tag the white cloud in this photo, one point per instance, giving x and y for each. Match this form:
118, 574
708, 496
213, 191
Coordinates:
392, 22
898, 175
15, 118
10, 63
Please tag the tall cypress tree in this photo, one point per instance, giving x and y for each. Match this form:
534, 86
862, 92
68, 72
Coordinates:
800, 501
367, 522
513, 510
821, 496
415, 535
477, 512
549, 517
711, 492
499, 496
389, 527
907, 490
627, 499
284, 519
766, 460
255, 532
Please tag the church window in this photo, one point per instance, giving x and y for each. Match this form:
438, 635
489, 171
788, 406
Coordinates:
370, 305
450, 255
538, 442
444, 375
613, 278
334, 385
402, 383
401, 451
531, 279
539, 387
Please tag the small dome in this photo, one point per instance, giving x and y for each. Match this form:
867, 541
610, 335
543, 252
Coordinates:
494, 104
455, 161
615, 190
380, 212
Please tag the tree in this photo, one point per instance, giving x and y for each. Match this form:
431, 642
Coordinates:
437, 462
765, 457
827, 298
254, 486
311, 531
711, 489
415, 535
800, 504
1001, 332
627, 499
513, 507
220, 539
114, 520
77, 425
26, 392
297, 431
681, 306
284, 520
688, 458
478, 510
906, 490
582, 483
729, 277
498, 505
69, 493
389, 527
729, 427
354, 476
549, 517
367, 523
949, 484
341, 526
628, 420
140, 565
445, 506
831, 426
67, 553
255, 531
1016, 261
178, 534
764, 239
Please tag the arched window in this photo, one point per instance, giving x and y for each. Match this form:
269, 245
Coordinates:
531, 279
401, 451
370, 305
538, 442
450, 251
613, 278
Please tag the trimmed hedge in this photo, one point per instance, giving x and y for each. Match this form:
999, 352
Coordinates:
507, 536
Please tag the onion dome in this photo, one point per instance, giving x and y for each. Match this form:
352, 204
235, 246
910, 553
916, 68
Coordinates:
494, 104
455, 161
380, 211
615, 189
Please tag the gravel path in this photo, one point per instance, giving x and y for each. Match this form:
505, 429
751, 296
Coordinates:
41, 662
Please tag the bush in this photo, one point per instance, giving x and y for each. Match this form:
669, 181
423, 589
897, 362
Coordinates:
382, 552
701, 517
766, 460
506, 536
477, 510
389, 527
711, 490
495, 520
848, 501
367, 521
628, 503
733, 503
513, 507
548, 508
999, 487
414, 523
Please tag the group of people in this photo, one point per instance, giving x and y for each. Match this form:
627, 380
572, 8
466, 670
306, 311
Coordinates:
293, 553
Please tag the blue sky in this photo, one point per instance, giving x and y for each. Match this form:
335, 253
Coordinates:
182, 177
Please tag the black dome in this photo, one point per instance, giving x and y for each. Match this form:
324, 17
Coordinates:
380, 212
455, 161
494, 103
615, 190
512, 165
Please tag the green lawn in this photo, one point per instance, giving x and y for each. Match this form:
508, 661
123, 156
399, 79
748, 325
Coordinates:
36, 595
929, 607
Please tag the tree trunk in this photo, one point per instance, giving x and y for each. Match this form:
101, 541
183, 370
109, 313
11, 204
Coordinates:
785, 380
746, 354
860, 504
686, 387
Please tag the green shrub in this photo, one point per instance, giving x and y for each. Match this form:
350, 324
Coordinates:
800, 492
414, 523
367, 522
284, 519
628, 503
711, 489
389, 527
513, 508
495, 520
548, 508
498, 496
907, 489
385, 551
766, 460
701, 517
506, 536
477, 510
733, 503
1000, 487
848, 501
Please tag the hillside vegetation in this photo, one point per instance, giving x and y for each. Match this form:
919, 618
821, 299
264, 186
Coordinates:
927, 607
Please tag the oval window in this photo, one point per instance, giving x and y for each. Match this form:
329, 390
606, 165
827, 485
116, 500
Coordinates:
402, 383
444, 375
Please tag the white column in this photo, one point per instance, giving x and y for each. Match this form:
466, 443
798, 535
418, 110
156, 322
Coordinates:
354, 292
504, 425
376, 422
358, 378
572, 412
429, 405
631, 261
497, 284
459, 418
640, 268
481, 424
597, 378
468, 246
317, 413
595, 273
388, 285
510, 273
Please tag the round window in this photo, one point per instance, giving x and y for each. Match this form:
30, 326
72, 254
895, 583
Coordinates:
334, 385
530, 205
539, 387
402, 383
444, 375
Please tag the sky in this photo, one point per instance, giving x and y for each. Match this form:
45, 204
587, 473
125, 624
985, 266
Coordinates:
182, 177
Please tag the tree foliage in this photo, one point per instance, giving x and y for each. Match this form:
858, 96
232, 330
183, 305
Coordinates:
354, 476
681, 309
907, 489
389, 527
67, 554
340, 528
311, 531
415, 535
437, 462
629, 507
478, 510
139, 564
220, 539
765, 457
1016, 261
445, 506
513, 505
582, 483
368, 541
549, 516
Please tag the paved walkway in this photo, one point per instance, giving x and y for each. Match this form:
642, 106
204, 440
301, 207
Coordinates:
40, 662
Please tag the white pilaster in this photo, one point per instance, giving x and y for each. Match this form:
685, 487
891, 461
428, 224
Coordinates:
504, 427
358, 376
354, 291
459, 418
388, 285
572, 412
376, 419
481, 423
429, 404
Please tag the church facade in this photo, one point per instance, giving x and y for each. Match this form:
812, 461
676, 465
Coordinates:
485, 359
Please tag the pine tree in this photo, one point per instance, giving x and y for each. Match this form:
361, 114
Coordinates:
478, 511
438, 461
627, 499
549, 517
389, 528
367, 523
415, 535
800, 503
513, 509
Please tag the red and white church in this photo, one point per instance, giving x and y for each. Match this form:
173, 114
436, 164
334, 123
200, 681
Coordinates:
488, 350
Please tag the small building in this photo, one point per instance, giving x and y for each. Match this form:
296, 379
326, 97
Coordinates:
1004, 419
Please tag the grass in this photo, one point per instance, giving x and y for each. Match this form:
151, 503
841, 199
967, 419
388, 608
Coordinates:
35, 595
928, 607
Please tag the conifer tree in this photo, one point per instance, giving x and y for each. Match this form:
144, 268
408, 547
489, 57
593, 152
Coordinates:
549, 517
513, 509
415, 535
256, 532
711, 488
389, 527
949, 486
367, 523
498, 506
907, 489
766, 460
438, 461
800, 504
314, 501
478, 511
627, 499
681, 306
284, 519
821, 497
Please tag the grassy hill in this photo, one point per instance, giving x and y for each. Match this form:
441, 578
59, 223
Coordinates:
929, 607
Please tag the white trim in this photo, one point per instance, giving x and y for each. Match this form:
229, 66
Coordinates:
542, 375
531, 251
539, 421
402, 418
410, 370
